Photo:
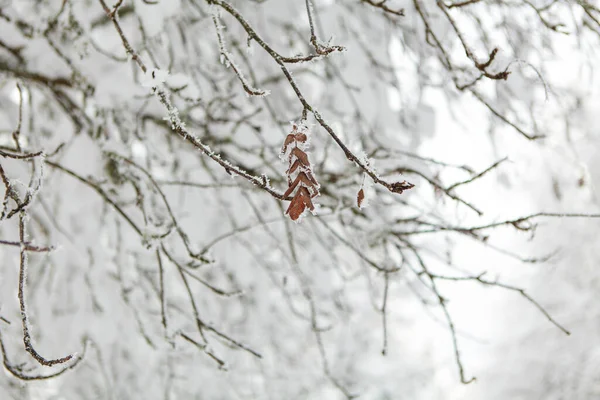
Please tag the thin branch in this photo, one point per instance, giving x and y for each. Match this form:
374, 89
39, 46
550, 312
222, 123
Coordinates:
204, 348
462, 3
386, 280
202, 326
98, 190
183, 236
23, 305
162, 296
479, 175
307, 293
17, 133
214, 289
112, 15
24, 156
27, 245
17, 371
522, 292
381, 5
449, 320
229, 62
439, 187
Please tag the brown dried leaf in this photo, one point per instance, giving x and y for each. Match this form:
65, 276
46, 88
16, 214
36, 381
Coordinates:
302, 177
294, 167
300, 137
299, 204
291, 188
310, 176
297, 164
297, 207
288, 140
360, 197
301, 156
305, 196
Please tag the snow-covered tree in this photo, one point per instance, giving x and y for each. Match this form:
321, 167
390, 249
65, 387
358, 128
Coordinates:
309, 199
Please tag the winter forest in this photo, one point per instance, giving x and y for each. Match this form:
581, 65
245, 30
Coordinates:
300, 199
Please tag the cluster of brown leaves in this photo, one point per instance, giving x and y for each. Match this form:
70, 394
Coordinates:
301, 181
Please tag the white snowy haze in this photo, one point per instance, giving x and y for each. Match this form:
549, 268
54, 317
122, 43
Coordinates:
299, 199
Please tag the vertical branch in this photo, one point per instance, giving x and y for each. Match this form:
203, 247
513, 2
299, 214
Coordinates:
384, 312
17, 133
448, 317
114, 18
228, 59
8, 191
313, 36
161, 280
23, 305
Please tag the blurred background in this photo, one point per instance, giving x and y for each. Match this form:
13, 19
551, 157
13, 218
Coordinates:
144, 227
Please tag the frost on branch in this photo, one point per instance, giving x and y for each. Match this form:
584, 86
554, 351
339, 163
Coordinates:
227, 58
301, 180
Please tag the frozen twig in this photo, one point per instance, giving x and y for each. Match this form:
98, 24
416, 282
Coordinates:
17, 371
228, 58
23, 305
384, 324
479, 175
17, 132
442, 303
381, 4
479, 278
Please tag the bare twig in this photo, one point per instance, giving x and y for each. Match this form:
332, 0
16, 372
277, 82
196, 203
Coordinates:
479, 175
479, 278
18, 373
386, 286
23, 305
17, 132
381, 4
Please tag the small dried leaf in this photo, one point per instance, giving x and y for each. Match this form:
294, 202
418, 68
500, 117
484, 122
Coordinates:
294, 167
301, 156
305, 196
291, 188
288, 140
296, 207
302, 178
299, 204
312, 178
360, 197
300, 137
297, 164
